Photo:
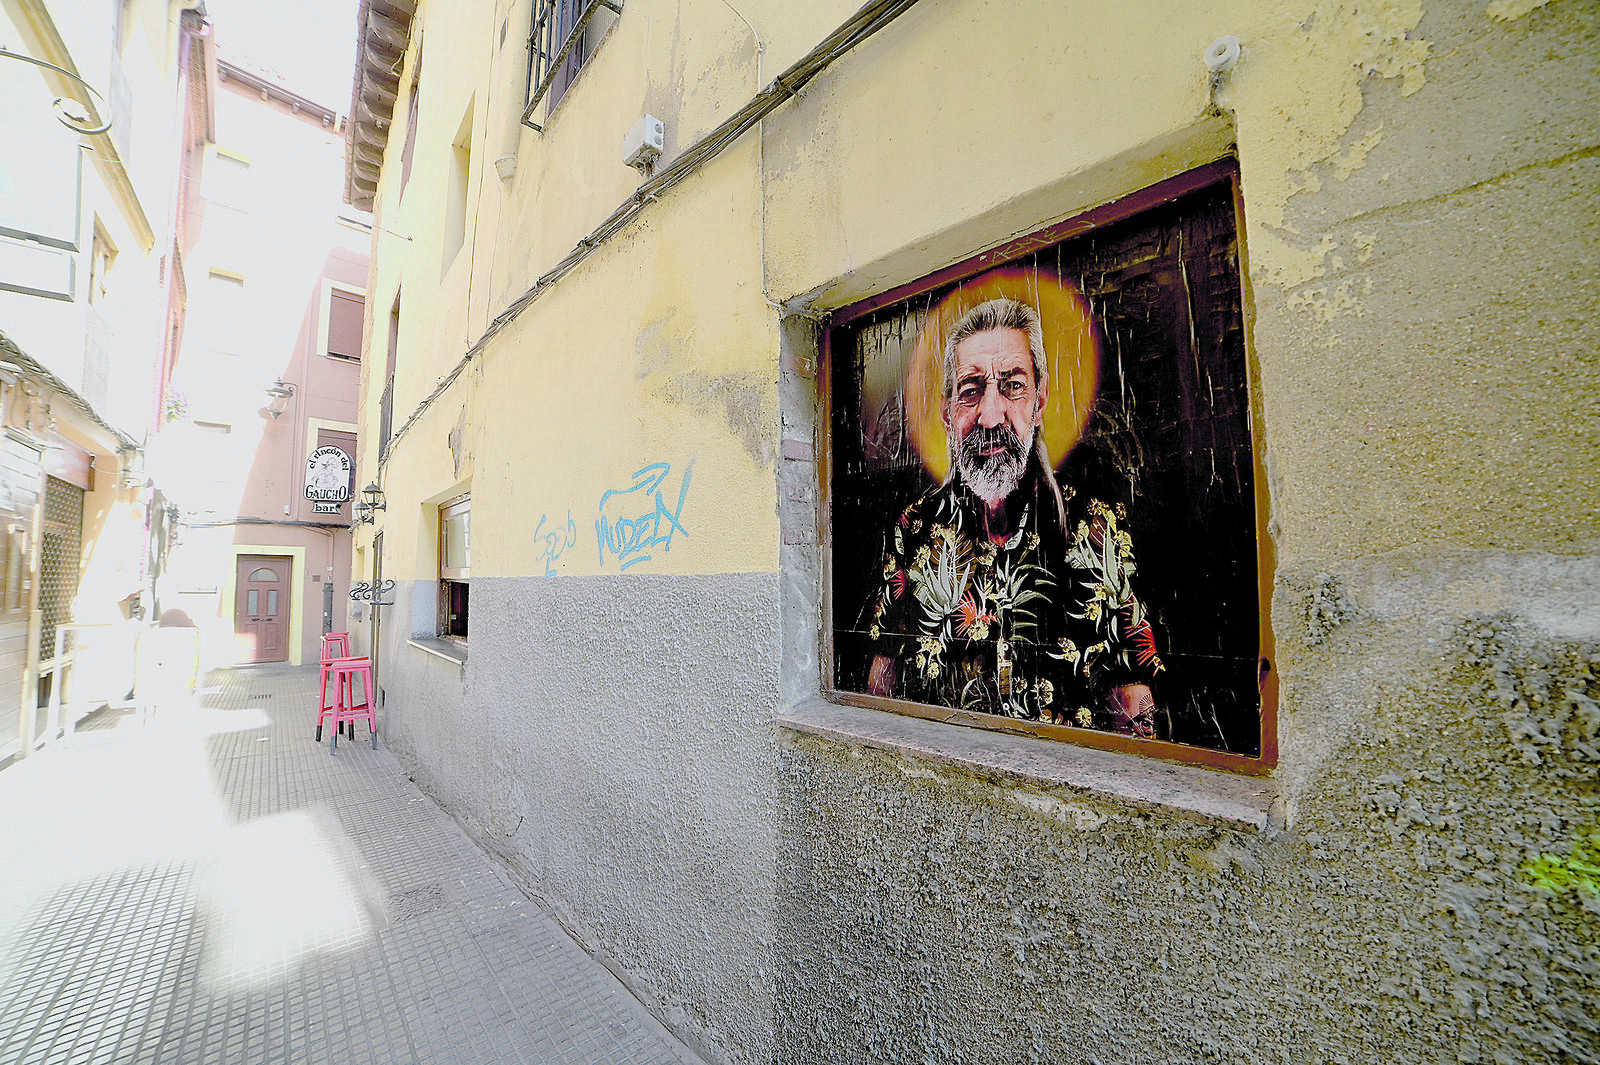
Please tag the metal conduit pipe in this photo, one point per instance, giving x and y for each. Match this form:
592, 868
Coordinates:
860, 26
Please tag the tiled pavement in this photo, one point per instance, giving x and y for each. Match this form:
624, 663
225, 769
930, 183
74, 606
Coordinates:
214, 886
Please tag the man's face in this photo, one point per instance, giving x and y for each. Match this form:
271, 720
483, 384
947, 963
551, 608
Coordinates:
993, 411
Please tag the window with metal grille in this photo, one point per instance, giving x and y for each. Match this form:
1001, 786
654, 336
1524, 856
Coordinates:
385, 420
564, 35
58, 565
386, 403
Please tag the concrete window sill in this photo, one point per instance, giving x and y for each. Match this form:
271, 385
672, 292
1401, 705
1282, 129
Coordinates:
449, 650
1241, 801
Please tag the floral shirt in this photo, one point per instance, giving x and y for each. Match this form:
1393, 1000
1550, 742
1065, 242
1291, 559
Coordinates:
1041, 627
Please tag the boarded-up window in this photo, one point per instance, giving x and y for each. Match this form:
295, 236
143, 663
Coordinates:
345, 310
1043, 489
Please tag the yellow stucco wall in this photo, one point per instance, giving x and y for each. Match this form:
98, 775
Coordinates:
568, 404
871, 178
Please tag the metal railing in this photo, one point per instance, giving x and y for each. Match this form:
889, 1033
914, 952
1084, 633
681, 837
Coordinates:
385, 420
555, 39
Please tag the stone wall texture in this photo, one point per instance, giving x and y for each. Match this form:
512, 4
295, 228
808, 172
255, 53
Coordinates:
614, 742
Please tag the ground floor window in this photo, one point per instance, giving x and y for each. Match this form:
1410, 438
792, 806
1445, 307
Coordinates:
455, 549
1042, 488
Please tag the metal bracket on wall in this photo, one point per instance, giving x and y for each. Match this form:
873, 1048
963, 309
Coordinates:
69, 112
368, 593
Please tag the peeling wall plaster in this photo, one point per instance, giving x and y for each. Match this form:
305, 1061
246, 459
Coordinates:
1306, 119
1511, 10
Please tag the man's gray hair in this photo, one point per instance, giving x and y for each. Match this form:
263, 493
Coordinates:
1005, 313
996, 314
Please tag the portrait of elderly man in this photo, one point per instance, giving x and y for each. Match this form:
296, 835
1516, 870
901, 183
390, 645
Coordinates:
1004, 591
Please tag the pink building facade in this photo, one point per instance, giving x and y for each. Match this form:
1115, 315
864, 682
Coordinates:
256, 446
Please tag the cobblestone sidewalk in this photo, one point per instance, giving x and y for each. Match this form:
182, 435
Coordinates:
215, 886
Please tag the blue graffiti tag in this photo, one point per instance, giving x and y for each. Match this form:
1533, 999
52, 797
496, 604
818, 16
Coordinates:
554, 542
634, 539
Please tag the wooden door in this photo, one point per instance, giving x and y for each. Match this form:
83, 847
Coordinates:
261, 607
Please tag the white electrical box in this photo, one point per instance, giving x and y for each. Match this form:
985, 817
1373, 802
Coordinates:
645, 141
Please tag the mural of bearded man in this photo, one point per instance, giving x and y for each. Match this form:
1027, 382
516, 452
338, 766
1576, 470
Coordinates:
1004, 591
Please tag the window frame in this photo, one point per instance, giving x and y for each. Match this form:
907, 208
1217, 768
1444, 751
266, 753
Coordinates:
330, 290
408, 149
1125, 208
453, 575
13, 567
458, 183
545, 67
221, 186
102, 258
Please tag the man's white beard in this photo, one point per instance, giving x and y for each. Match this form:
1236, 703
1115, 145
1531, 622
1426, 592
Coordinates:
992, 478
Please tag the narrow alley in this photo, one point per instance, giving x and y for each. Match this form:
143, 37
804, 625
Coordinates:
212, 885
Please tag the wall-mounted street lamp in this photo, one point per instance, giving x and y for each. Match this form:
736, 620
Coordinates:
370, 503
278, 393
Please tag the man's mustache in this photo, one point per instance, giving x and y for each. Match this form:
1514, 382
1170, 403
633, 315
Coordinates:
981, 440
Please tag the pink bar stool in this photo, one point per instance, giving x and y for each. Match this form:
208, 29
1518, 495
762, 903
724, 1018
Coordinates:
345, 673
334, 645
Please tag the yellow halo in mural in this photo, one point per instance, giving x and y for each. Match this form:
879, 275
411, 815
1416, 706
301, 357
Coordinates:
1071, 351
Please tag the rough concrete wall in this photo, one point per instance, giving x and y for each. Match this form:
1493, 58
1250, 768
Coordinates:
1426, 299
1429, 901
613, 744
421, 693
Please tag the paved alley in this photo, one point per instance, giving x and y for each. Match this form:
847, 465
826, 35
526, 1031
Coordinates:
214, 886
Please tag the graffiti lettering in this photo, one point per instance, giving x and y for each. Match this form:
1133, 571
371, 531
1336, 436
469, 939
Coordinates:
652, 523
554, 541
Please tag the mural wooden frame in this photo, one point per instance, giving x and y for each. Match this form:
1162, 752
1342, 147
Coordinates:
1221, 172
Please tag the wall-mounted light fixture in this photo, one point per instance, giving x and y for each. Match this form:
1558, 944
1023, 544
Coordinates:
370, 503
278, 393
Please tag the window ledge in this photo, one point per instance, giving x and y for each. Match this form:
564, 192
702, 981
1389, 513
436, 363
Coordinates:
449, 650
1243, 801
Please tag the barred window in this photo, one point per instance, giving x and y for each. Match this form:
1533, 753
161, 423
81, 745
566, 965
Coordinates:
563, 37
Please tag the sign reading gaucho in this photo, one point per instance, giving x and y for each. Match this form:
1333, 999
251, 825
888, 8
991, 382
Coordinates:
328, 475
